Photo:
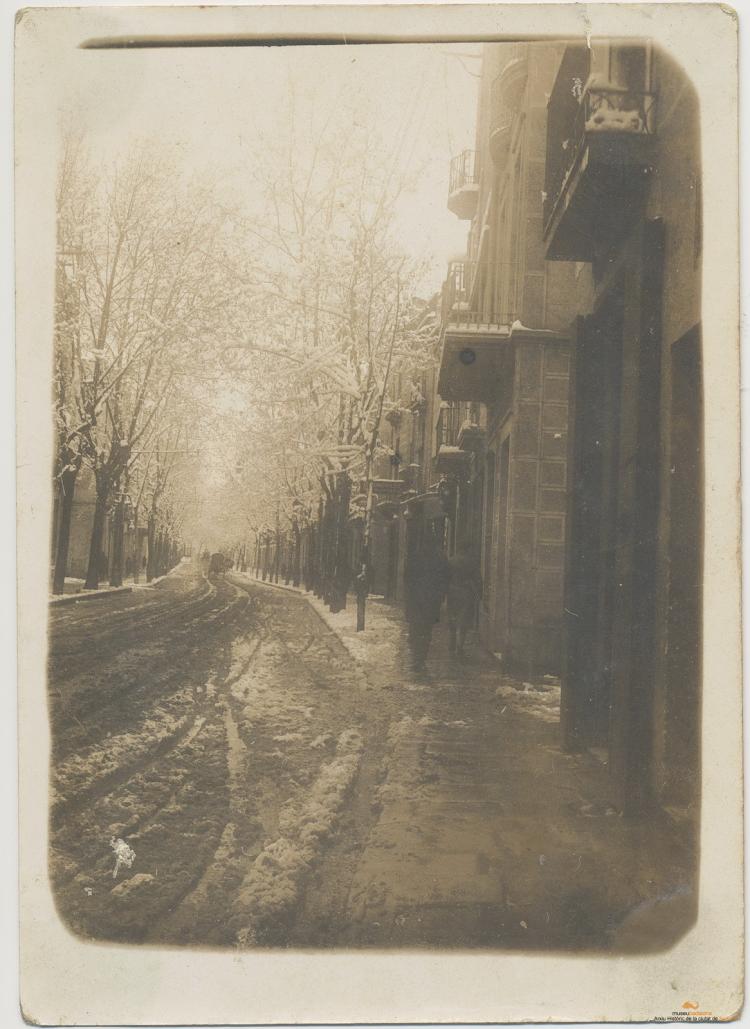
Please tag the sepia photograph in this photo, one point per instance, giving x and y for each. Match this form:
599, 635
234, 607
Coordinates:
375, 513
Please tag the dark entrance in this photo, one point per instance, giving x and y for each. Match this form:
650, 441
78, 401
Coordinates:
681, 729
593, 526
613, 543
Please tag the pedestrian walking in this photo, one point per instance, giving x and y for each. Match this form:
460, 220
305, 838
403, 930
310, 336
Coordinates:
464, 594
426, 583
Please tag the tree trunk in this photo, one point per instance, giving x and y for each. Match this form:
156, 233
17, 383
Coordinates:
162, 551
151, 558
137, 557
296, 560
115, 577
306, 564
363, 579
319, 550
287, 561
340, 577
328, 551
97, 534
64, 518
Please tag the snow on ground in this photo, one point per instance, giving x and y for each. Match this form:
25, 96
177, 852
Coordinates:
375, 650
374, 645
274, 882
542, 700
76, 587
256, 689
242, 652
99, 760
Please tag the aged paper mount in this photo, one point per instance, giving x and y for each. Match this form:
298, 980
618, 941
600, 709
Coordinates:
68, 980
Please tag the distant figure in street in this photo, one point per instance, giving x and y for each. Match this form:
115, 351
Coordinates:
464, 594
426, 582
216, 566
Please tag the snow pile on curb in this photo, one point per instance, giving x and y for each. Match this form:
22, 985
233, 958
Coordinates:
373, 647
274, 882
375, 644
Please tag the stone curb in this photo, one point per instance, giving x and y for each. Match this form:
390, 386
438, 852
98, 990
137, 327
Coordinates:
68, 598
72, 598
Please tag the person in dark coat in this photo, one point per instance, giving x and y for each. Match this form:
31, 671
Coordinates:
464, 594
426, 583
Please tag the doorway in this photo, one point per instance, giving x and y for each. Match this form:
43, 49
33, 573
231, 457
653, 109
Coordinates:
685, 607
608, 341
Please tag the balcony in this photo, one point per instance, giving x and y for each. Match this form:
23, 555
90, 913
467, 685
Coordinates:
387, 496
471, 435
455, 291
599, 146
506, 94
451, 458
470, 360
409, 475
463, 188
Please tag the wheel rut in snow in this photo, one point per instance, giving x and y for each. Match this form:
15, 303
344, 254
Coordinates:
322, 918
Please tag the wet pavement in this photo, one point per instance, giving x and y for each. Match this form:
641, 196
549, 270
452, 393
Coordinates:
283, 782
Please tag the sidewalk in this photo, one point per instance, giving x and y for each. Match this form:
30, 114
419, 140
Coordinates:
484, 831
75, 589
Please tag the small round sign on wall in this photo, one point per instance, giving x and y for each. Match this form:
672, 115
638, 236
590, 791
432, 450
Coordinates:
467, 356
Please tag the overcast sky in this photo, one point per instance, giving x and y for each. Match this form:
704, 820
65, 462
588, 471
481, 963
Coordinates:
210, 103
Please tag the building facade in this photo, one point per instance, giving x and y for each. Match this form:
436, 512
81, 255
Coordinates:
505, 365
623, 200
570, 422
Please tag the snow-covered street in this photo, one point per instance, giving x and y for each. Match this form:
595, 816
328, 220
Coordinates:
282, 781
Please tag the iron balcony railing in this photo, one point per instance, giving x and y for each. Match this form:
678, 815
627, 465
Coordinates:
476, 319
459, 304
596, 110
454, 416
463, 171
455, 293
450, 420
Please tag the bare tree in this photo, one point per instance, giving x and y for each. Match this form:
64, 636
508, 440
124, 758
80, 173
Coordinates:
330, 304
149, 293
71, 412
